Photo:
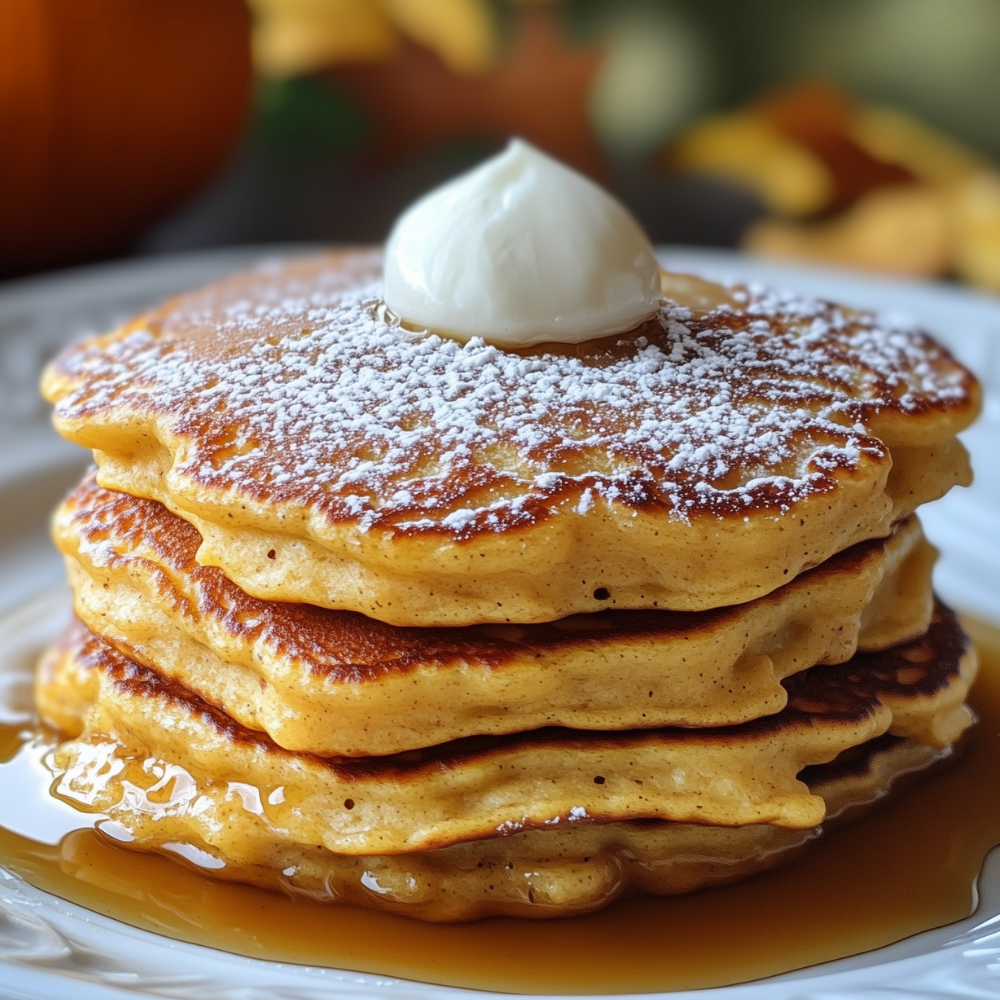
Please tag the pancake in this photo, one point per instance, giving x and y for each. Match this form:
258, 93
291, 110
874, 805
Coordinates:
153, 756
207, 793
560, 872
328, 455
333, 682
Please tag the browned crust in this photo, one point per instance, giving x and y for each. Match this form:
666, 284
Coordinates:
840, 695
346, 647
850, 403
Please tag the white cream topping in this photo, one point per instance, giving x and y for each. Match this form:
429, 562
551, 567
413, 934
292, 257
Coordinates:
522, 250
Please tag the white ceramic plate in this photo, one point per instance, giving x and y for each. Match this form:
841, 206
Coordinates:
50, 949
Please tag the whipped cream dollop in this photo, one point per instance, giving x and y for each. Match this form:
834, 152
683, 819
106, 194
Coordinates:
519, 251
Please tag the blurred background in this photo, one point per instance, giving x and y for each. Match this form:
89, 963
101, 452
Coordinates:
861, 133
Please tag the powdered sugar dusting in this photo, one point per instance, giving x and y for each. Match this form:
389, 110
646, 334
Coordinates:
293, 389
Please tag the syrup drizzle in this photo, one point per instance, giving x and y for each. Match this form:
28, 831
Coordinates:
907, 867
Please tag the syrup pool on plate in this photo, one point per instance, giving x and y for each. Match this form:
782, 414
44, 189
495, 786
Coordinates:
906, 867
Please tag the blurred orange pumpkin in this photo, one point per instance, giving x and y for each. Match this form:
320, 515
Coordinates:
111, 113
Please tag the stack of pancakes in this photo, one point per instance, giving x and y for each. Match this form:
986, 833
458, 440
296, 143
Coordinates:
453, 630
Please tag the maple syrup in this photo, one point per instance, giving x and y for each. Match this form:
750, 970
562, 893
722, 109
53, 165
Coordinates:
907, 867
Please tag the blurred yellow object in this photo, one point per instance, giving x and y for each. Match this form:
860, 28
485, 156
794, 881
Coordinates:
894, 136
977, 210
296, 36
888, 192
907, 230
299, 36
461, 32
789, 178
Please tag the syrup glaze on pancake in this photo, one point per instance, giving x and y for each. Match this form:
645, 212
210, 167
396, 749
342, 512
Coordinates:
542, 873
144, 737
282, 406
334, 682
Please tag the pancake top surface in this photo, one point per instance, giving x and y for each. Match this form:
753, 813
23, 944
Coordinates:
287, 385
